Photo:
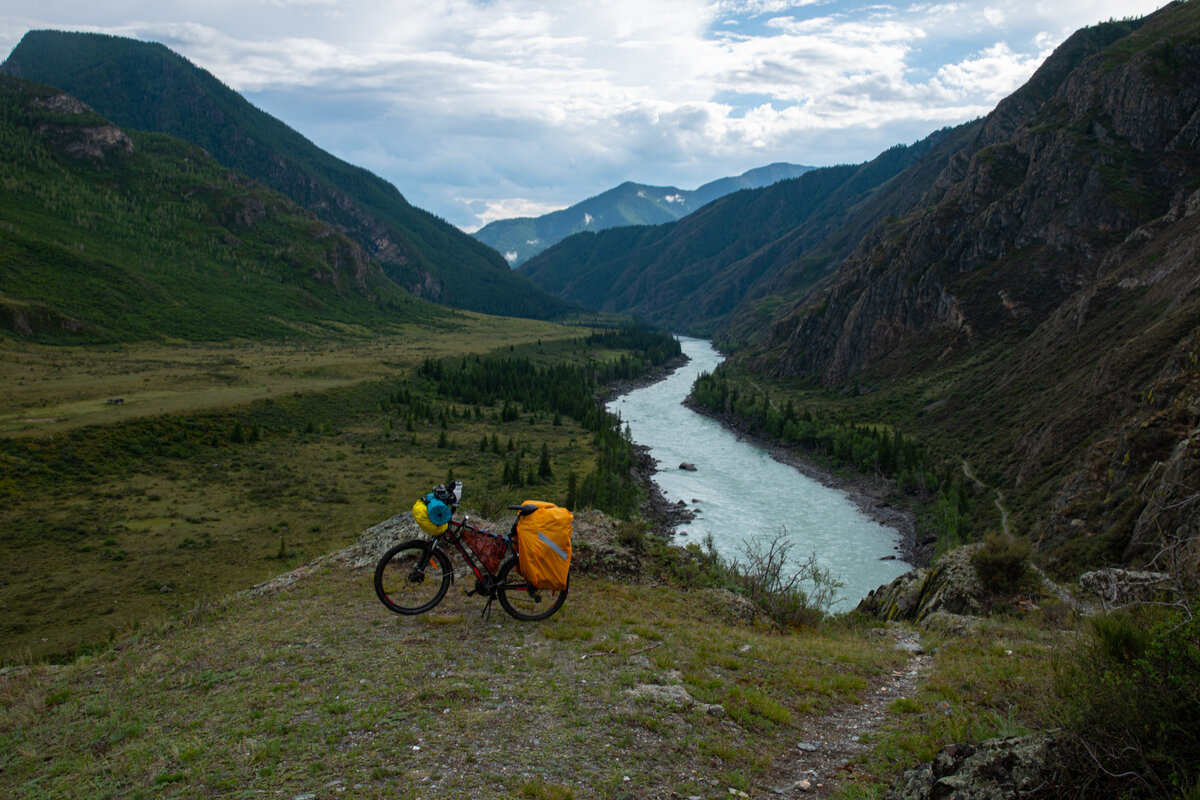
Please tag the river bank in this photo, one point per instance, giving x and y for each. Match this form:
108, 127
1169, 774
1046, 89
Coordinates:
870, 494
663, 515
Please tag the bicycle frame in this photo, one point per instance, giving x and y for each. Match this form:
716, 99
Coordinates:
453, 530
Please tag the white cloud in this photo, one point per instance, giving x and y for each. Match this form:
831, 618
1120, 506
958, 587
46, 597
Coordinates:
485, 110
993, 73
674, 198
491, 210
587, 219
510, 256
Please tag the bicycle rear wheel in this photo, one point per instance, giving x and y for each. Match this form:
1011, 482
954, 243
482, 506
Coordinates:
409, 582
523, 601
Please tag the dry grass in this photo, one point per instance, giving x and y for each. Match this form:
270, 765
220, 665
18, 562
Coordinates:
320, 690
49, 390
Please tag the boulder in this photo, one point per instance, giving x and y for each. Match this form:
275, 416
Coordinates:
950, 585
996, 769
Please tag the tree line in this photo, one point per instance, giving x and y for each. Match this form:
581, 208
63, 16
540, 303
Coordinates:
870, 449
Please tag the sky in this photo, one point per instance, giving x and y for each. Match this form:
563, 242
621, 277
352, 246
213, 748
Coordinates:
480, 110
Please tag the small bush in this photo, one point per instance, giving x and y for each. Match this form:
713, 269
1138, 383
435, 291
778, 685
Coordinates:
790, 594
631, 535
1002, 564
1131, 700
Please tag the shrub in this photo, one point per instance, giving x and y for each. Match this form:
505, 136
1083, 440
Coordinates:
1002, 564
1131, 702
788, 593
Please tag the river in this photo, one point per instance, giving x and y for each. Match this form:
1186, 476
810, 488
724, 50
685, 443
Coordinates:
740, 492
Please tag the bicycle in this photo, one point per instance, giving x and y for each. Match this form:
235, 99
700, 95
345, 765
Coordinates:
414, 576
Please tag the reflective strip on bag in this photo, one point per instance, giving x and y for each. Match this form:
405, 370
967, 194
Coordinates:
549, 543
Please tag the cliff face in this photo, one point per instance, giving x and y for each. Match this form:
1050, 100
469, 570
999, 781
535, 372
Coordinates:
1050, 276
1022, 217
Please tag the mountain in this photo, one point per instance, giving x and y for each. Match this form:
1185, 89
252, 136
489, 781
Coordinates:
1036, 310
112, 235
691, 273
146, 86
521, 238
1021, 293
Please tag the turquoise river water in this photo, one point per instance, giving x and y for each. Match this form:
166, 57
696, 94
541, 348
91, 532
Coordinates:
741, 492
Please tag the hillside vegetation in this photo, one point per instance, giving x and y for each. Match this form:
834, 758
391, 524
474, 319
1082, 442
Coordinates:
110, 236
145, 86
692, 273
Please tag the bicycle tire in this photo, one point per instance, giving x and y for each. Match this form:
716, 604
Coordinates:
403, 578
521, 600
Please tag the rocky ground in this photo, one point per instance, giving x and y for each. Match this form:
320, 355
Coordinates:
822, 759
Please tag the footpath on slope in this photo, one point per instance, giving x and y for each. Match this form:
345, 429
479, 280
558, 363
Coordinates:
823, 759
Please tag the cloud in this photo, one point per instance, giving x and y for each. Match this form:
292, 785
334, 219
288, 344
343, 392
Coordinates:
992, 73
491, 210
674, 198
485, 110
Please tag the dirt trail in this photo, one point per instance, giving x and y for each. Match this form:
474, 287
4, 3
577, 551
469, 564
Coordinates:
818, 762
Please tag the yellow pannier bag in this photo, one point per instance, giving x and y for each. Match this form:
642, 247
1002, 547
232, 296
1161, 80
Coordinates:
544, 545
420, 513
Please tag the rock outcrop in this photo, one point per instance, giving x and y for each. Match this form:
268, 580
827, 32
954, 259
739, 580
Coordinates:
996, 769
949, 587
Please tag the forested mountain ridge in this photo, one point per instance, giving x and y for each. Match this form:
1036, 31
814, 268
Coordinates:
1037, 310
146, 86
521, 238
690, 274
108, 235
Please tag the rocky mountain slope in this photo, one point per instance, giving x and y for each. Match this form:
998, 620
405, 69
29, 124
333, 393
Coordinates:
1038, 308
521, 238
109, 235
148, 87
690, 274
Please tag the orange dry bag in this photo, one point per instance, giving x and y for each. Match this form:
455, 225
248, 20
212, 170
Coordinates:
544, 545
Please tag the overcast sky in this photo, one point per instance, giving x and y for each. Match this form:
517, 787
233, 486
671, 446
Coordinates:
483, 109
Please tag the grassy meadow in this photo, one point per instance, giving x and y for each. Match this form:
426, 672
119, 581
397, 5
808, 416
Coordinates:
228, 463
319, 691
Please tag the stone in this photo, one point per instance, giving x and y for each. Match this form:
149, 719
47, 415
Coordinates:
996, 769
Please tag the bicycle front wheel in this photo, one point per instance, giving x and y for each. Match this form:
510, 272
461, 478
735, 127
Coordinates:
523, 601
410, 579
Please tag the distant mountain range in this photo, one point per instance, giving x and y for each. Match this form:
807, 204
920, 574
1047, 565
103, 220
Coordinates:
692, 273
1022, 291
145, 86
521, 238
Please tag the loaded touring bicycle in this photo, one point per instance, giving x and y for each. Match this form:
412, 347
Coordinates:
527, 569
